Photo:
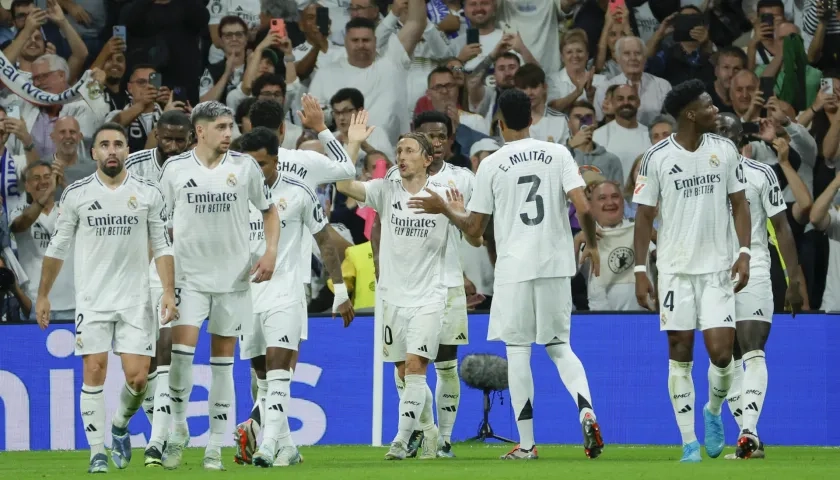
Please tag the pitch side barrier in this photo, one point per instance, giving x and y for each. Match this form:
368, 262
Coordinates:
335, 400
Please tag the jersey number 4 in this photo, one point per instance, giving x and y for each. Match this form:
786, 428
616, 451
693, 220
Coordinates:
534, 181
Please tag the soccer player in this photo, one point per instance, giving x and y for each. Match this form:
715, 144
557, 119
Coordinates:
522, 186
754, 304
172, 134
693, 176
208, 190
311, 169
455, 329
112, 217
411, 288
280, 314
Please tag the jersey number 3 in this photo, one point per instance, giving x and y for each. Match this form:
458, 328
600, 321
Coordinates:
534, 181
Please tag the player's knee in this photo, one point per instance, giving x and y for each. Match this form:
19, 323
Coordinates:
415, 365
720, 358
137, 381
681, 351
447, 353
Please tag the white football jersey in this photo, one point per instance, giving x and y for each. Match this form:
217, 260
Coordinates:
112, 230
766, 200
524, 186
31, 247
314, 169
462, 179
298, 206
692, 190
210, 219
413, 247
146, 164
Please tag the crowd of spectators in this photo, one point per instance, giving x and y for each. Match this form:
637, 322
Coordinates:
596, 72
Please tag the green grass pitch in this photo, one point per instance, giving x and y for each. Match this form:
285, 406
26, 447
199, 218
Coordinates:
473, 462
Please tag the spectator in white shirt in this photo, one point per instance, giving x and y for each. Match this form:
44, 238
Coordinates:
826, 218
546, 124
482, 16
247, 10
32, 225
316, 49
575, 81
537, 23
624, 137
382, 80
346, 103
443, 91
652, 90
221, 77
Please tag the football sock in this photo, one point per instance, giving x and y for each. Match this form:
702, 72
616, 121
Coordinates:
720, 379
427, 416
411, 405
573, 376
180, 388
733, 398
399, 382
258, 411
755, 388
219, 400
130, 402
681, 389
149, 398
522, 392
162, 418
276, 422
447, 396
92, 407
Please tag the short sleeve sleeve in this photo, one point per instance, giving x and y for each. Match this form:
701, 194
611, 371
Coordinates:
736, 181
571, 173
772, 198
258, 193
314, 217
17, 211
375, 193
482, 194
646, 190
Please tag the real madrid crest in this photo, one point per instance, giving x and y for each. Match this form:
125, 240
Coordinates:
281, 204
713, 161
452, 183
231, 180
132, 203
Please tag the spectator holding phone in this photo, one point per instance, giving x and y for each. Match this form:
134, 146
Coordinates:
587, 153
140, 116
690, 54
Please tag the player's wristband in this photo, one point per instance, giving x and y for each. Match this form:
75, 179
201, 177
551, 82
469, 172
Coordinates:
341, 295
745, 250
639, 269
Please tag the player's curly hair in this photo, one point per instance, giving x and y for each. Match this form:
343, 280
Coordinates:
682, 95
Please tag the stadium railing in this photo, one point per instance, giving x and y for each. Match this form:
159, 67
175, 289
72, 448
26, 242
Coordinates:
335, 402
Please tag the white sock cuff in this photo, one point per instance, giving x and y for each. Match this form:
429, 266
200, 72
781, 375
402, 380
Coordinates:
518, 350
152, 376
281, 375
163, 370
181, 350
753, 356
262, 384
446, 365
221, 362
133, 392
680, 369
722, 371
738, 363
93, 391
415, 380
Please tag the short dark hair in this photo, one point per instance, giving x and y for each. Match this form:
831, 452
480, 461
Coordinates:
441, 69
529, 76
267, 113
690, 7
510, 56
175, 118
433, 116
360, 22
32, 166
259, 138
354, 95
244, 109
142, 66
515, 108
108, 126
682, 95
20, 3
231, 20
268, 79
581, 104
731, 51
770, 4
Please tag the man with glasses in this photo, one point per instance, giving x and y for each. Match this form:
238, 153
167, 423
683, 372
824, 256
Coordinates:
221, 77
246, 10
142, 114
272, 86
346, 103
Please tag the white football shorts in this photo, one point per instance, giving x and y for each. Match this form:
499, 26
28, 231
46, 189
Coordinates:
129, 330
696, 302
279, 327
229, 313
535, 311
414, 330
455, 329
755, 301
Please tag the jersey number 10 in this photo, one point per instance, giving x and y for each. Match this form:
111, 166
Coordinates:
534, 181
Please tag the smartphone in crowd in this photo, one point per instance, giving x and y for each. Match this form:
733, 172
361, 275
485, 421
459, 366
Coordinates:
827, 85
120, 32
179, 94
13, 111
322, 20
155, 80
278, 26
472, 36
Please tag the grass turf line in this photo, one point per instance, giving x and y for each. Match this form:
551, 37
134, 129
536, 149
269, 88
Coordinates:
473, 461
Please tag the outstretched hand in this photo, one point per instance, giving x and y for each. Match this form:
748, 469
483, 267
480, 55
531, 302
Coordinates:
358, 132
433, 204
312, 116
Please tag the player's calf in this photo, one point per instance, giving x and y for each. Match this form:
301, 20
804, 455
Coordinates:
131, 399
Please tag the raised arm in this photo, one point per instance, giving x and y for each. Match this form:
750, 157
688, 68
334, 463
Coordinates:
819, 212
415, 24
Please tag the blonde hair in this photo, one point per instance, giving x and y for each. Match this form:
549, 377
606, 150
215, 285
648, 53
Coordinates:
575, 35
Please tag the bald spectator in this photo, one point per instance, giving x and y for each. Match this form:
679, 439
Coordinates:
69, 162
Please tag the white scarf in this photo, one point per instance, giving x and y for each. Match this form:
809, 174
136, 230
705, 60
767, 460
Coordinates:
21, 85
